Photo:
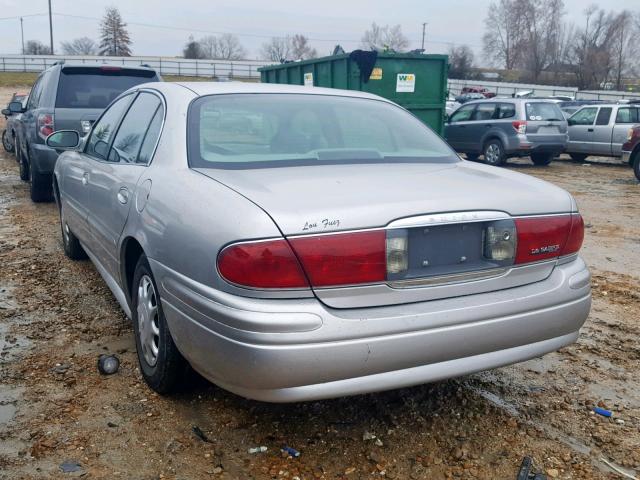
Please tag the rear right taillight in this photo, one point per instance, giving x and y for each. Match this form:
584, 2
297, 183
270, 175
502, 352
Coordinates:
546, 237
44, 125
520, 126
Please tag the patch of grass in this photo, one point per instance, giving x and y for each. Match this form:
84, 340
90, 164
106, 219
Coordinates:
17, 79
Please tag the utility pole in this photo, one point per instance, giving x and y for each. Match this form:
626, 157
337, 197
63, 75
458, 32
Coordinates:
50, 28
424, 28
22, 34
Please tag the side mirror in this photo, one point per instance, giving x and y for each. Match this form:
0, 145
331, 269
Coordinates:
6, 112
64, 140
16, 107
570, 121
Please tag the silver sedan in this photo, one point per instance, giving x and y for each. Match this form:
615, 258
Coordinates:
294, 243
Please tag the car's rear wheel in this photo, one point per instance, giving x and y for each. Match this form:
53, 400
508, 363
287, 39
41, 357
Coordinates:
494, 153
541, 158
24, 166
6, 142
40, 188
161, 364
578, 157
636, 166
70, 242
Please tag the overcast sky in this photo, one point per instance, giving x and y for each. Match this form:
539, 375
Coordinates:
326, 22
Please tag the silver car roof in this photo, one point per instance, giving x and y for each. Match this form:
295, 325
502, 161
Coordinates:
221, 88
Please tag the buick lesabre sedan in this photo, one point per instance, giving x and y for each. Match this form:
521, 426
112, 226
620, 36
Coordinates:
295, 243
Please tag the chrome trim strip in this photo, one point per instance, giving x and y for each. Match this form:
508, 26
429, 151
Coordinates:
449, 279
448, 219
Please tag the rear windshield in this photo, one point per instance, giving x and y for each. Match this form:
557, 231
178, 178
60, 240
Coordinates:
274, 130
97, 87
546, 112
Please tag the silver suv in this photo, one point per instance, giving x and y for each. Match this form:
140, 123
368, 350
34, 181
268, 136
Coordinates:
500, 128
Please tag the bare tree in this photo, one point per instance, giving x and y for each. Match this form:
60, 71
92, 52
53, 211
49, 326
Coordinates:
114, 37
226, 46
384, 38
278, 49
460, 61
80, 46
300, 48
625, 48
503, 33
36, 47
193, 49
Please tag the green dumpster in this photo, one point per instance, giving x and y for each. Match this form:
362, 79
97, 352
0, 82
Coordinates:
417, 82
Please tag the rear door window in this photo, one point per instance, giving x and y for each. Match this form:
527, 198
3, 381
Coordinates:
484, 111
97, 87
586, 116
604, 114
543, 112
130, 137
506, 110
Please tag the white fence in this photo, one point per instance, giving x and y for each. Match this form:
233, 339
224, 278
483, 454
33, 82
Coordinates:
247, 69
507, 89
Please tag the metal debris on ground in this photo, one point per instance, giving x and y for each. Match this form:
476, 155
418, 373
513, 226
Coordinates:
527, 472
291, 451
70, 466
108, 364
200, 434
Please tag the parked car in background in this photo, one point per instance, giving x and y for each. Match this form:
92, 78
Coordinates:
467, 97
509, 127
569, 108
65, 96
9, 132
451, 106
600, 130
486, 93
631, 150
237, 226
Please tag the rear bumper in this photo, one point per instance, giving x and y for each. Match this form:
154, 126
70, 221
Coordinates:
293, 350
42, 158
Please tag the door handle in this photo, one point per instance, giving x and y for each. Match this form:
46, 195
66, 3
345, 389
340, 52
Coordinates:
589, 129
123, 195
85, 178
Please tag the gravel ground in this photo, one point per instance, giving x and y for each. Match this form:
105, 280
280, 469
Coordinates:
58, 316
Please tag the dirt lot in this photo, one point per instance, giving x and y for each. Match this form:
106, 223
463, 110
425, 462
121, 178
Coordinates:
57, 316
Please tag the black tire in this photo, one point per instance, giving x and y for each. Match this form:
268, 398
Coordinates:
70, 242
472, 157
7, 143
636, 166
578, 157
541, 158
24, 165
494, 153
165, 375
41, 187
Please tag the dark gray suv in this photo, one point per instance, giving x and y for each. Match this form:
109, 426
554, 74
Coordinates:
500, 128
66, 97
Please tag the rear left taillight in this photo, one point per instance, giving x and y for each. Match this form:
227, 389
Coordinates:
44, 125
543, 238
520, 126
261, 264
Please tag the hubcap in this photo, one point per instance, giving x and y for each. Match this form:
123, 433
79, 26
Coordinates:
493, 153
148, 327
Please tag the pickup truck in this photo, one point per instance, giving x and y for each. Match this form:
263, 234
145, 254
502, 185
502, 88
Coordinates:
631, 150
600, 130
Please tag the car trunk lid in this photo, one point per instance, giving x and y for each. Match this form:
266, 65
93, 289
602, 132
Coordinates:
442, 209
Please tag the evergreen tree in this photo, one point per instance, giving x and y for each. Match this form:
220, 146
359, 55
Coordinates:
114, 37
